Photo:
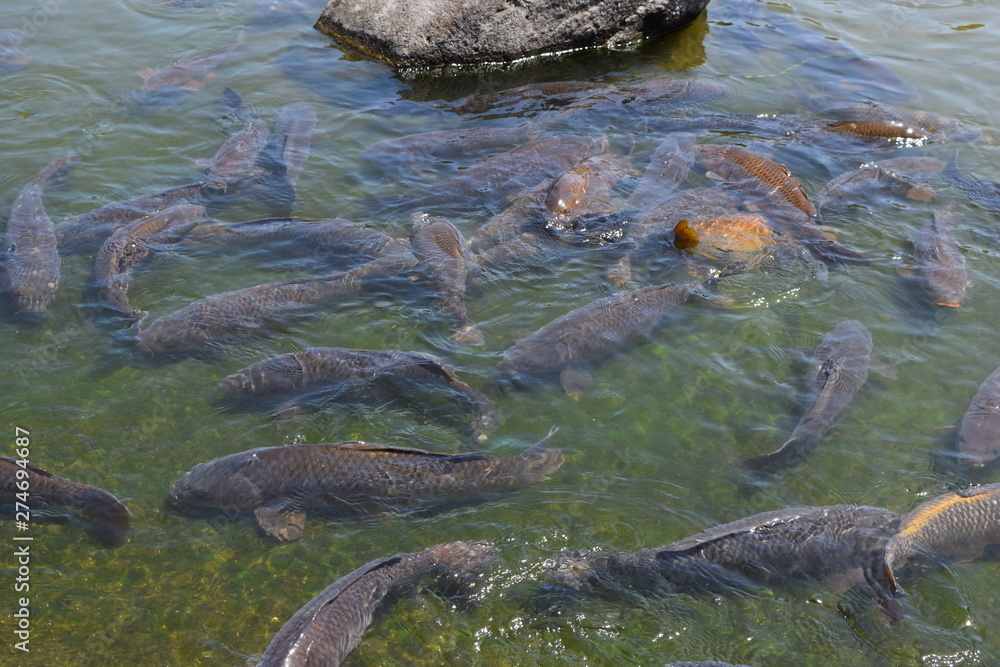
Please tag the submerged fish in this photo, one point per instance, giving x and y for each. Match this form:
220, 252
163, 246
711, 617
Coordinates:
957, 525
130, 245
594, 331
280, 485
236, 159
978, 442
330, 625
980, 191
950, 129
10, 53
40, 489
415, 149
88, 232
290, 140
668, 166
891, 132
441, 251
30, 269
354, 376
531, 97
189, 73
838, 367
584, 188
839, 545
939, 267
900, 176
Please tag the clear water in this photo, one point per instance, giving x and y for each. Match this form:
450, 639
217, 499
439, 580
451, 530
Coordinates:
652, 450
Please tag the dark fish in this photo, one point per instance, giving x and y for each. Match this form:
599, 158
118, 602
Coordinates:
584, 188
982, 192
900, 176
839, 366
441, 251
532, 97
236, 159
290, 140
88, 232
939, 267
42, 490
330, 626
130, 245
222, 319
771, 187
10, 53
354, 376
416, 149
957, 525
604, 326
31, 259
189, 73
280, 485
978, 442
490, 181
838, 545
668, 166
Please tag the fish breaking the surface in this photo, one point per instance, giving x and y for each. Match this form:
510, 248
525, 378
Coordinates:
329, 626
354, 376
280, 485
20, 480
838, 367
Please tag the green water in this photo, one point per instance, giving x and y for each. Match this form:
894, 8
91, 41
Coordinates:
652, 450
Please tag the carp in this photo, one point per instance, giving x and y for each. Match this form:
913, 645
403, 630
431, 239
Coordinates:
280, 485
30, 269
189, 73
939, 267
330, 626
900, 176
978, 441
236, 158
10, 52
43, 489
838, 367
354, 376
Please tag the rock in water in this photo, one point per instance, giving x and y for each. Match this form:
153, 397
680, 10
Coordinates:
426, 33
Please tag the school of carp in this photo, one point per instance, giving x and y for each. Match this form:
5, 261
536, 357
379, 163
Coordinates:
549, 194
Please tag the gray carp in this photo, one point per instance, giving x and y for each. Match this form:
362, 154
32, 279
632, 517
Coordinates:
236, 159
957, 525
838, 368
440, 249
978, 441
416, 149
39, 489
330, 626
222, 319
593, 331
31, 258
130, 245
839, 546
980, 191
668, 166
189, 73
902, 176
290, 141
88, 232
530, 97
354, 376
281, 485
10, 52
939, 267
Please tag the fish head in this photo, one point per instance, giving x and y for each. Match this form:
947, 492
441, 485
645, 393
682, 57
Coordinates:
217, 484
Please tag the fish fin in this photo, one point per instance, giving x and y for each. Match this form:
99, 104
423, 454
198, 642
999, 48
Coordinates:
714, 175
920, 193
283, 521
19, 58
685, 238
146, 72
906, 271
576, 381
194, 85
882, 369
469, 334
241, 38
288, 414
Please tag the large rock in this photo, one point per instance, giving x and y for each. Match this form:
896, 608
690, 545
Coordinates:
422, 33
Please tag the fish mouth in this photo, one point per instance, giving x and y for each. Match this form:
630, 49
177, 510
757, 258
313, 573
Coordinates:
949, 304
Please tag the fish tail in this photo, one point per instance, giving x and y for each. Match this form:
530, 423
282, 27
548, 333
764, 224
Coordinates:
58, 168
541, 460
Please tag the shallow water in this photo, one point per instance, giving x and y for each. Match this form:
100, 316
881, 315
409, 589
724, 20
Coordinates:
652, 450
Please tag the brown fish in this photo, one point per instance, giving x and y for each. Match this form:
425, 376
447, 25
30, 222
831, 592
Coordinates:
585, 188
132, 244
935, 124
33, 488
900, 176
354, 376
10, 53
30, 270
236, 159
893, 132
957, 525
593, 331
838, 368
214, 322
281, 485
440, 249
978, 442
330, 626
939, 267
189, 73
837, 545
